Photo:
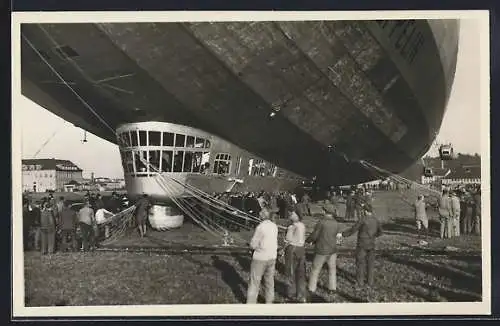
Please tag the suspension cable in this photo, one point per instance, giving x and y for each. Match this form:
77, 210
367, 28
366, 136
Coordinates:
48, 140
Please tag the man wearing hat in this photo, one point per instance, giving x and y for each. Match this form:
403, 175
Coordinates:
368, 229
324, 238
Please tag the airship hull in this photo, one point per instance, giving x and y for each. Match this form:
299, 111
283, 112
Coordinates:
312, 97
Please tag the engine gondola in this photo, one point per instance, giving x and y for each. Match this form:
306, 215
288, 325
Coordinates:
446, 152
428, 172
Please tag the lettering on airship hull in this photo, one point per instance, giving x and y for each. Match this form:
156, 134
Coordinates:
404, 36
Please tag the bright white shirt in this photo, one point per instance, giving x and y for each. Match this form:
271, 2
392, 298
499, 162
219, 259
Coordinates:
265, 241
262, 202
294, 199
101, 215
296, 234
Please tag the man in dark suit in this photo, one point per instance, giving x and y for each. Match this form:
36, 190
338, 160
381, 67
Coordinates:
368, 228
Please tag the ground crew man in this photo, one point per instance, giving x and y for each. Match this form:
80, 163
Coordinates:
47, 228
265, 251
324, 237
455, 214
295, 259
368, 229
87, 222
421, 215
444, 215
68, 222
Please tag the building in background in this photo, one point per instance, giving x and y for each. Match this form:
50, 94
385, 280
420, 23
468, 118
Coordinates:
436, 175
41, 175
106, 184
464, 175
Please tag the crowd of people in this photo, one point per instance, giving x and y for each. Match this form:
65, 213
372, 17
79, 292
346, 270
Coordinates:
55, 224
460, 212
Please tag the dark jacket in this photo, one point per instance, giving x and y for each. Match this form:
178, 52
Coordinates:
349, 201
68, 219
47, 219
114, 205
143, 205
98, 204
31, 218
324, 236
368, 228
477, 206
302, 210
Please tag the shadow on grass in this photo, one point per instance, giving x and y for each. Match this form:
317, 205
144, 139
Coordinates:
402, 225
345, 220
231, 277
198, 263
245, 261
459, 279
438, 294
316, 298
351, 278
423, 293
407, 226
350, 297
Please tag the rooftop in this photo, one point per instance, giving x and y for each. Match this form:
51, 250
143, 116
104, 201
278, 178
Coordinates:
465, 172
50, 164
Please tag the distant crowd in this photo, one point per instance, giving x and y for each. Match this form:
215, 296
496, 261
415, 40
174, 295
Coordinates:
460, 211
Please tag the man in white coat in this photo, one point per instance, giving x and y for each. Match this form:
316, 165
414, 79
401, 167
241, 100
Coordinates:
101, 217
421, 216
265, 245
455, 214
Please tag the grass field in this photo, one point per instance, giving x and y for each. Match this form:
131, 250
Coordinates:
140, 278
110, 278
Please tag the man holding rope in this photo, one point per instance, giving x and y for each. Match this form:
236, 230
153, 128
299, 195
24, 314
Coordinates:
265, 245
368, 229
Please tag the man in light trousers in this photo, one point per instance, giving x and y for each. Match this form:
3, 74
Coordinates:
444, 215
324, 237
455, 214
265, 245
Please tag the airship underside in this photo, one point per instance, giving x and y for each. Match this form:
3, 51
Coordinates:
312, 97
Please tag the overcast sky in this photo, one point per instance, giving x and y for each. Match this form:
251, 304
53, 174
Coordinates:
461, 124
